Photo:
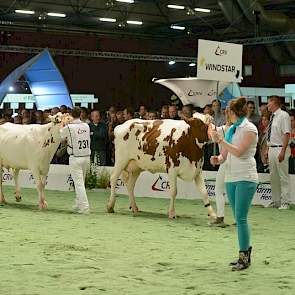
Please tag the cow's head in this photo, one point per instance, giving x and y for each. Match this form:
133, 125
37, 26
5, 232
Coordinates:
198, 129
208, 120
60, 118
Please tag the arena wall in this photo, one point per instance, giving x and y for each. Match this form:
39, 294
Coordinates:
148, 184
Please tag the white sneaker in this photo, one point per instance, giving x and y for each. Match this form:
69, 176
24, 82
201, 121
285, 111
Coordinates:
81, 210
284, 206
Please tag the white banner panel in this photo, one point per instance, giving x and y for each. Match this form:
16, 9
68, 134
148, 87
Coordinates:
193, 90
219, 61
148, 184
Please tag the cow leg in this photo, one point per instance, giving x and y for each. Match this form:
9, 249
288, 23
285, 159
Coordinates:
130, 184
118, 168
200, 183
173, 193
40, 184
18, 196
2, 199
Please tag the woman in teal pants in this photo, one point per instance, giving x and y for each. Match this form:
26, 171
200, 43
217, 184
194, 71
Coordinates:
241, 178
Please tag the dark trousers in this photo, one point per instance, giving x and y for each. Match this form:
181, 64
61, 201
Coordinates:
99, 158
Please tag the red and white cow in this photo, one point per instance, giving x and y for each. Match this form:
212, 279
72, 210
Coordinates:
30, 147
171, 146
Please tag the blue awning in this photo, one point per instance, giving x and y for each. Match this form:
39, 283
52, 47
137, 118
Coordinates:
44, 79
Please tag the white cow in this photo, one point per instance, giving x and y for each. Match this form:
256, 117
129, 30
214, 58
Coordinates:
171, 146
30, 147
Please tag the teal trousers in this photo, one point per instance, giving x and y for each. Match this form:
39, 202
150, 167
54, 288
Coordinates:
240, 195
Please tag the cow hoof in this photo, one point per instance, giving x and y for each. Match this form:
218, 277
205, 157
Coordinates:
110, 210
134, 210
172, 215
43, 205
18, 199
2, 202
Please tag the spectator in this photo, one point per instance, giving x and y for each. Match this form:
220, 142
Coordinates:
26, 121
84, 115
2, 120
111, 115
152, 115
173, 112
262, 161
99, 139
39, 117
63, 109
187, 110
111, 124
46, 115
54, 111
120, 117
142, 112
262, 108
181, 115
17, 119
128, 114
219, 118
251, 115
292, 143
208, 110
278, 133
165, 112
26, 117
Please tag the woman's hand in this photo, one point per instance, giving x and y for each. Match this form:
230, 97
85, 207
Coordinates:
216, 137
214, 160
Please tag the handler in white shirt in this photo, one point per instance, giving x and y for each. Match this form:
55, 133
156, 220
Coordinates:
77, 135
278, 153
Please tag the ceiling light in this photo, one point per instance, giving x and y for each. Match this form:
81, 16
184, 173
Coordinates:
24, 11
192, 64
175, 6
126, 1
190, 11
110, 3
10, 88
134, 22
174, 27
121, 24
106, 19
202, 10
56, 14
42, 16
171, 62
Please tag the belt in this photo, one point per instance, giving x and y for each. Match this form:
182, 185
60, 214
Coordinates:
275, 146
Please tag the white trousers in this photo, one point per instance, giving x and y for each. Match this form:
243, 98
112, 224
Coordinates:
78, 168
279, 176
219, 190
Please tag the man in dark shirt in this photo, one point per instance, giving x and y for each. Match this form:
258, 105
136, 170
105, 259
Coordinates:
99, 139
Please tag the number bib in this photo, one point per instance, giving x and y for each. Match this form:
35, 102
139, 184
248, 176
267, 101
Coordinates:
80, 139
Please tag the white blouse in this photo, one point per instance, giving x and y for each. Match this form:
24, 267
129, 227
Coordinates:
242, 168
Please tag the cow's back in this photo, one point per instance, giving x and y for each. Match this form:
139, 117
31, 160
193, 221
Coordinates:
21, 145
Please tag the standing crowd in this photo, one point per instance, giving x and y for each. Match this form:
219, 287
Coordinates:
102, 124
